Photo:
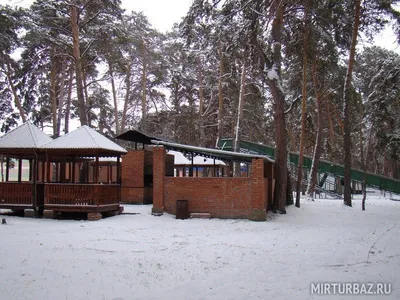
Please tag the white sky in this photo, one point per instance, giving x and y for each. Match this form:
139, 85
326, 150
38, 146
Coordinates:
162, 14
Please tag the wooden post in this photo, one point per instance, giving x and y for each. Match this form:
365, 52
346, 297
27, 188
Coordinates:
191, 166
37, 169
96, 172
19, 169
31, 170
43, 164
73, 171
93, 170
34, 182
119, 169
62, 171
7, 169
57, 177
111, 174
69, 171
47, 168
214, 173
88, 172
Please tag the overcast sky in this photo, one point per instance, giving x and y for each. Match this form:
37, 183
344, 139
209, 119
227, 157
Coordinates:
162, 14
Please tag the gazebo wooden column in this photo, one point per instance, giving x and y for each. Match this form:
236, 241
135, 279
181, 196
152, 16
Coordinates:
47, 169
119, 169
108, 174
96, 170
31, 169
73, 179
19, 169
7, 169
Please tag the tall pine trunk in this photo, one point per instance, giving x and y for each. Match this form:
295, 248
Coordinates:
89, 104
303, 107
318, 140
61, 95
53, 90
364, 161
69, 99
201, 102
78, 65
238, 129
144, 87
114, 95
220, 95
347, 97
127, 96
274, 80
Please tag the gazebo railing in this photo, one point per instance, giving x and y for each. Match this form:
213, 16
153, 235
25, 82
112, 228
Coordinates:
81, 194
16, 193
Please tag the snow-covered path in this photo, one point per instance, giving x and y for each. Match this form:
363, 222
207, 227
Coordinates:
139, 256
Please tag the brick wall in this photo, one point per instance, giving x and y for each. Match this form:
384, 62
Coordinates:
133, 189
221, 197
158, 179
228, 197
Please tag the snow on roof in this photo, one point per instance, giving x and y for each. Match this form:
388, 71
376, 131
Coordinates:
25, 136
103, 159
180, 159
200, 160
84, 138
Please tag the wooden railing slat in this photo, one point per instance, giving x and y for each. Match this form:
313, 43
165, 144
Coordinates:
78, 194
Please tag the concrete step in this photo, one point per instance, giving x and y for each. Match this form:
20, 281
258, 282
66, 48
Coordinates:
200, 216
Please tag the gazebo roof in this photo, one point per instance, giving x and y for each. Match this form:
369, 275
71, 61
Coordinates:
26, 136
84, 139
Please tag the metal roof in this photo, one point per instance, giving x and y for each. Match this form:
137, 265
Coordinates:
84, 138
137, 136
134, 135
212, 153
25, 136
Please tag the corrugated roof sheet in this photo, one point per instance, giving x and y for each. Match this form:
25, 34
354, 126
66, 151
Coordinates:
212, 153
84, 138
25, 136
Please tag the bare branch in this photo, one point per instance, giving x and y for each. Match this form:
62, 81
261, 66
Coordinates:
292, 105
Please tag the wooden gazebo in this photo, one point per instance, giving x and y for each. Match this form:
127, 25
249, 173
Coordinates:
22, 145
62, 180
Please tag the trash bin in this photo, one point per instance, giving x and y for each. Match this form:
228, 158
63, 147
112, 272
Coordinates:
182, 209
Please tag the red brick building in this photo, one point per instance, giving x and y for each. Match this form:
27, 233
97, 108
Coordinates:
149, 176
221, 197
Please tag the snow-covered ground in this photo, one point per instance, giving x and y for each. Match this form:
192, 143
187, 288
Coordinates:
140, 256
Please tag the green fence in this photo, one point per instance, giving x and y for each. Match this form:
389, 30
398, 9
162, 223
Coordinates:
373, 180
